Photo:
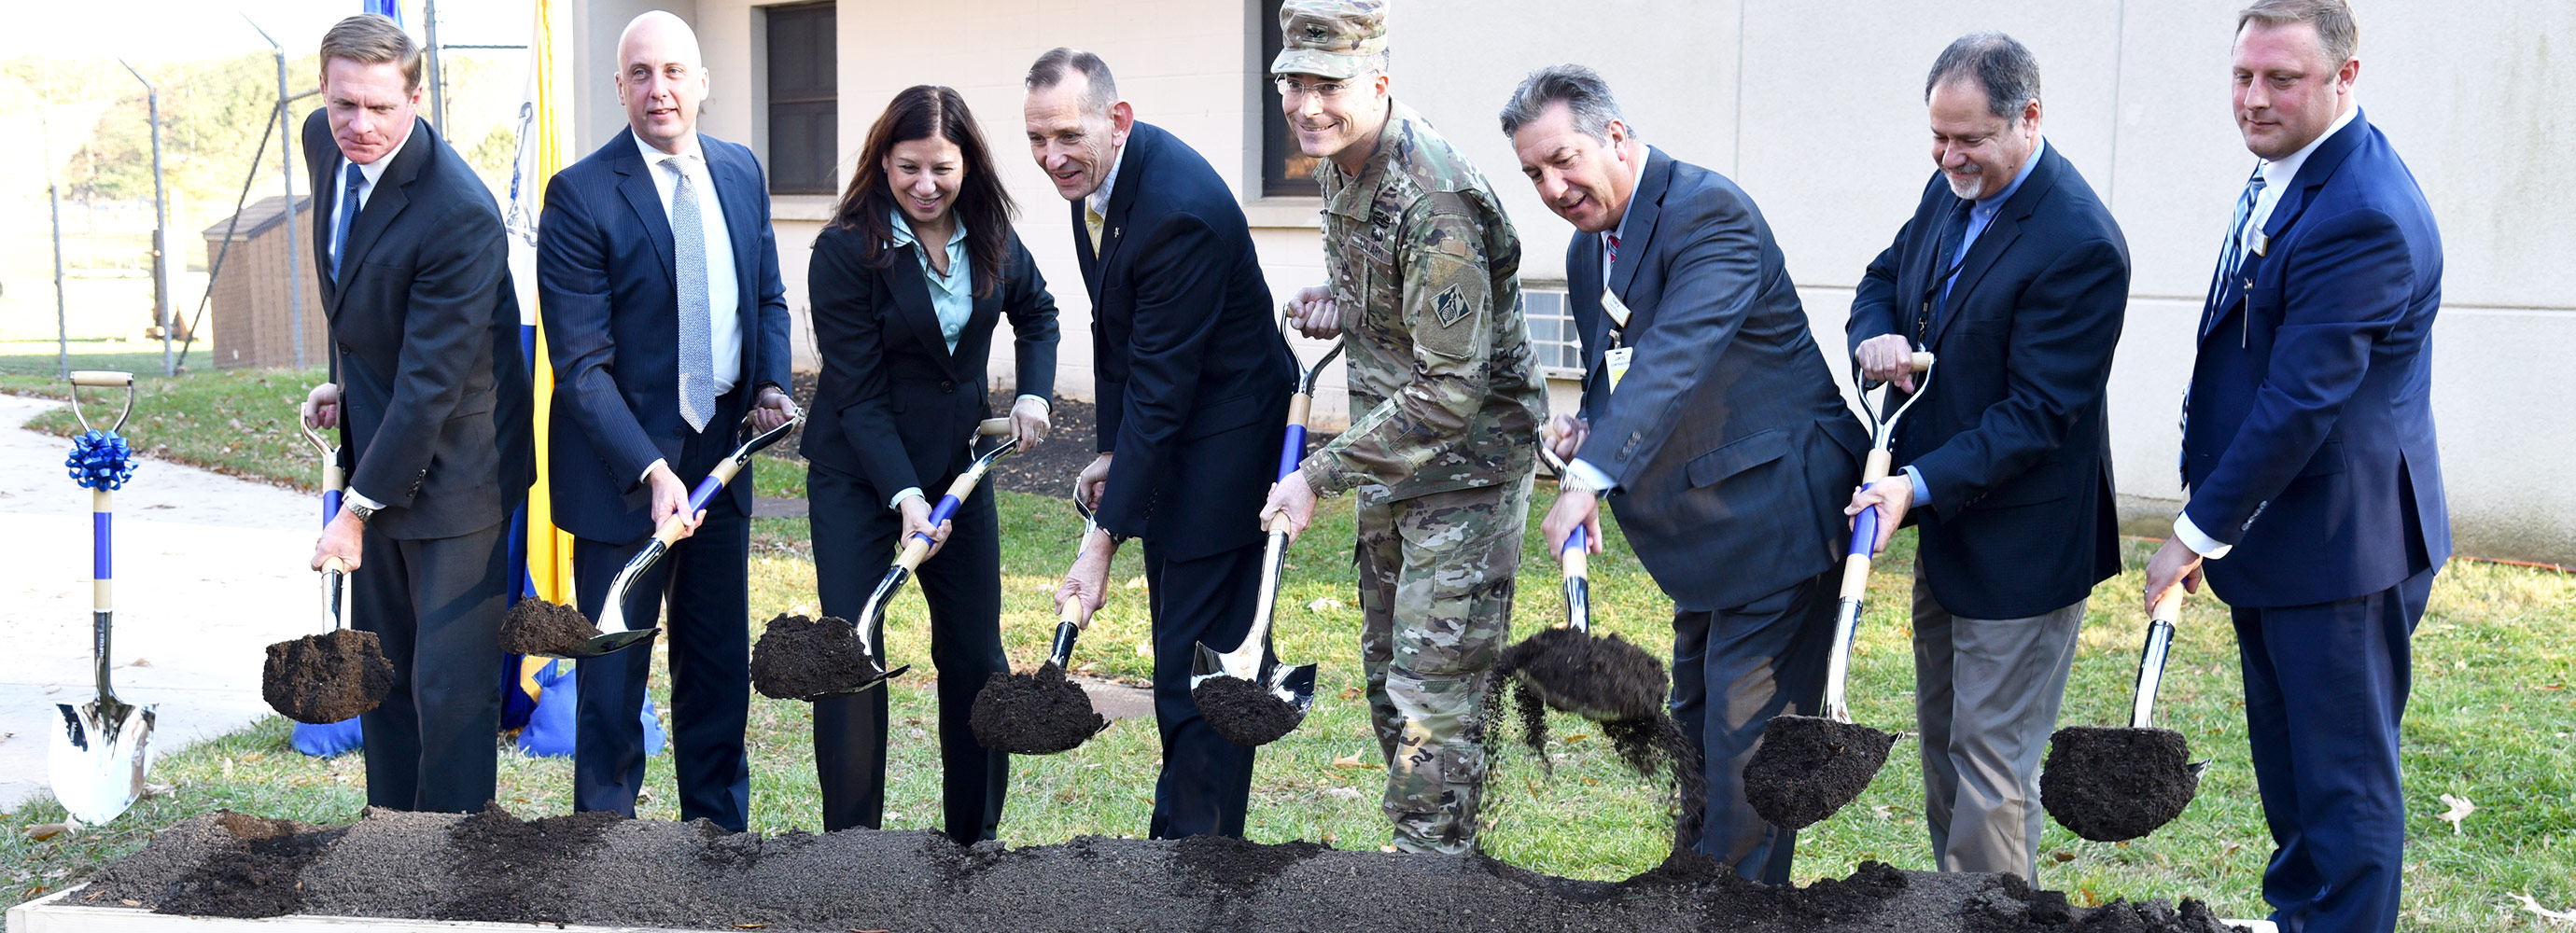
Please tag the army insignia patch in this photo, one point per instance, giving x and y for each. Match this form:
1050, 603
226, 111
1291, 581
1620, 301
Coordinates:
1450, 305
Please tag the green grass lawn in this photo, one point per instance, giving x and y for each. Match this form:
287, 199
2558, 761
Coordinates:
2493, 706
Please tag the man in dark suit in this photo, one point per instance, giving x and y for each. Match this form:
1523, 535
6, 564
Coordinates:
1192, 381
1710, 422
431, 397
662, 232
2016, 278
2308, 454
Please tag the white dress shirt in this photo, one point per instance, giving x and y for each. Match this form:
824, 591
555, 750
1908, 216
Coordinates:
724, 291
2277, 175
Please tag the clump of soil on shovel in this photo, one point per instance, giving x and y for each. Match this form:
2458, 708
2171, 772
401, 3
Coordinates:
599, 870
800, 658
1589, 675
326, 678
1808, 767
1033, 714
2115, 784
535, 626
1244, 712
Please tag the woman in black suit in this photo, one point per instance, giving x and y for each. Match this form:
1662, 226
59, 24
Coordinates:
907, 280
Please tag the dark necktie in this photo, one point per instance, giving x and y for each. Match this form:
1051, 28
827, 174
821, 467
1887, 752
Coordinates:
348, 216
1954, 228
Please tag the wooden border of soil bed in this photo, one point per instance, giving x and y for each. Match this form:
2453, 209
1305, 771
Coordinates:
49, 914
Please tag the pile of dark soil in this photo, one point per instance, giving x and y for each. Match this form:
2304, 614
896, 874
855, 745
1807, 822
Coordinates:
800, 658
1244, 712
1607, 679
256, 872
1808, 767
596, 869
535, 626
326, 678
2115, 784
1038, 713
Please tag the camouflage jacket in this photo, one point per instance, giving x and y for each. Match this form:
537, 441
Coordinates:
1425, 270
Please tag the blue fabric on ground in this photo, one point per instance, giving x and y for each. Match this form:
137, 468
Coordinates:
550, 728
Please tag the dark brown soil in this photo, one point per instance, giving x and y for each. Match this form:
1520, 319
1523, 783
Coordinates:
596, 869
1243, 712
1589, 675
512, 870
1654, 746
2115, 784
535, 626
256, 873
1808, 767
326, 678
1038, 713
800, 658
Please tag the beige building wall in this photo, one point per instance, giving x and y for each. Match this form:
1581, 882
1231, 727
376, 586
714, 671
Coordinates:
1821, 121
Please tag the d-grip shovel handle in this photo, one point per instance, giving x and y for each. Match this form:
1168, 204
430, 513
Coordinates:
1575, 558
2151, 661
102, 379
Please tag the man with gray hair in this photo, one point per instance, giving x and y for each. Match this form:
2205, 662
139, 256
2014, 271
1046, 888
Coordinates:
2016, 278
1193, 382
1709, 422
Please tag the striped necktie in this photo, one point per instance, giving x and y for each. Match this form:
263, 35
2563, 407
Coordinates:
2234, 256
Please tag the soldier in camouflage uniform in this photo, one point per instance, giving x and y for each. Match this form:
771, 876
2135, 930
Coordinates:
1425, 281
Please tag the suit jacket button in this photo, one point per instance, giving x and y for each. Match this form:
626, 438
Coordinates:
948, 385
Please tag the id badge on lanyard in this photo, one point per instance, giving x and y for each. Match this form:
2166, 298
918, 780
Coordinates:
1616, 359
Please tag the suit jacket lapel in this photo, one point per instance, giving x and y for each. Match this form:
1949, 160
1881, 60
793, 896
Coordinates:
1122, 201
636, 183
2226, 294
1997, 237
383, 203
1645, 206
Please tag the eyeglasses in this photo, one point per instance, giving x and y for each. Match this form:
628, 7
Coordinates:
1329, 90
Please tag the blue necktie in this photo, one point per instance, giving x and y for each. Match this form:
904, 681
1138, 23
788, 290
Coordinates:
348, 216
2230, 259
689, 251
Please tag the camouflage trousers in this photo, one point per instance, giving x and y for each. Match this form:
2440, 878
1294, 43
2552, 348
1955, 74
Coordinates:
1435, 587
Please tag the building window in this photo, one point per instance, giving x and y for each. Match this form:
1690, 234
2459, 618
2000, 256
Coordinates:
1552, 333
1285, 172
804, 99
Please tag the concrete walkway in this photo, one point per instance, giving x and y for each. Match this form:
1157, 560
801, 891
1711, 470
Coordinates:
209, 571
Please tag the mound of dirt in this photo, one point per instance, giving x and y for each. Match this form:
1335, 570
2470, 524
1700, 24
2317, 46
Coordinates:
326, 678
597, 869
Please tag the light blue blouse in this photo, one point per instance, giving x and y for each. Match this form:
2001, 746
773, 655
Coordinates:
952, 296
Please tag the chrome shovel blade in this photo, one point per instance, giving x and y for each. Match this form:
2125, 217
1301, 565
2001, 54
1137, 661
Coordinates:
607, 643
101, 751
1293, 684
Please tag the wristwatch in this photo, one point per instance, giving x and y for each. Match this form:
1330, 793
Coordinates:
363, 513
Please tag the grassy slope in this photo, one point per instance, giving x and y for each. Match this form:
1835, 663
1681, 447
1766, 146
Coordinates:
2490, 721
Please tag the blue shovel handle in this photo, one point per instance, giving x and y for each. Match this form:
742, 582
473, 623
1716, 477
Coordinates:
945, 510
1864, 538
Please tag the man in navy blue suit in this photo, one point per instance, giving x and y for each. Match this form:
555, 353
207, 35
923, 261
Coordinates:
1192, 381
664, 313
2315, 491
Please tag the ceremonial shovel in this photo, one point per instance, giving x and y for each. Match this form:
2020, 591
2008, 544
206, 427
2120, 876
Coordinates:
326, 678
101, 750
870, 625
2110, 784
614, 635
1808, 767
1251, 662
1571, 669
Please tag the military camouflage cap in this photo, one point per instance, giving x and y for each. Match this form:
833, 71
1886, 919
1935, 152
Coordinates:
1330, 39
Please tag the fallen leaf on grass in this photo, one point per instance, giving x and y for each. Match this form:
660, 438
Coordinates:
1325, 604
1136, 582
2460, 810
1346, 793
2562, 916
1353, 760
43, 831
1350, 693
